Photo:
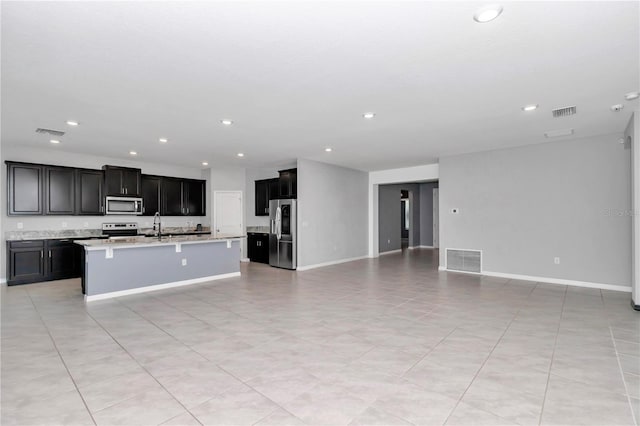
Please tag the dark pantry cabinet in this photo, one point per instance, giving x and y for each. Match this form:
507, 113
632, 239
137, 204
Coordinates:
122, 181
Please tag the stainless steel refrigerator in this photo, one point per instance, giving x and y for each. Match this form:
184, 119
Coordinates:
283, 235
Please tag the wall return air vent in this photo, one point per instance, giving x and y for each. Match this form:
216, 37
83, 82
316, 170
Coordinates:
464, 260
49, 132
563, 112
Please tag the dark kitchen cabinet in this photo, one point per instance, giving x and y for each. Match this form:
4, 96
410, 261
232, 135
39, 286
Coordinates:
265, 190
25, 262
194, 197
61, 259
42, 260
183, 197
89, 192
172, 197
151, 194
24, 189
122, 181
258, 247
288, 187
59, 190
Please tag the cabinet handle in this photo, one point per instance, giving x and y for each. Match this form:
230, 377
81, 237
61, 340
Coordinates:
187, 210
49, 254
41, 254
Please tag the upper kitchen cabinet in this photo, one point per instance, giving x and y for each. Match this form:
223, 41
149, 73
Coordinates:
172, 197
59, 190
89, 192
265, 190
288, 183
151, 194
122, 181
24, 189
194, 197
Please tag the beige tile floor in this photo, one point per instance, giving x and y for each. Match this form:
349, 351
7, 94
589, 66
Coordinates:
388, 341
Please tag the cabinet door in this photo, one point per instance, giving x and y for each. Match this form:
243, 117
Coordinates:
25, 183
131, 182
25, 262
285, 185
252, 246
89, 192
194, 202
61, 262
151, 194
59, 190
172, 197
263, 248
274, 190
262, 198
113, 181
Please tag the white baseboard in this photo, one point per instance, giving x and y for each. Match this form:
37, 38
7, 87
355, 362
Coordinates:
245, 259
3, 281
159, 287
333, 262
546, 280
429, 247
389, 252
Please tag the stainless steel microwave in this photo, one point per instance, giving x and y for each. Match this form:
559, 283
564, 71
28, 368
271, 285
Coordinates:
123, 205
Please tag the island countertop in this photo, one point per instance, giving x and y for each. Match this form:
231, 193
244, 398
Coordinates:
141, 241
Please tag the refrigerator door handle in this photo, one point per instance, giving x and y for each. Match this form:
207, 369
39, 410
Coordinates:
278, 223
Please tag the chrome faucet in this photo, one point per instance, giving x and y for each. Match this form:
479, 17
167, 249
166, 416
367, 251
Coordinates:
157, 221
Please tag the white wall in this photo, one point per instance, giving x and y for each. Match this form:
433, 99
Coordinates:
633, 131
427, 172
332, 213
524, 206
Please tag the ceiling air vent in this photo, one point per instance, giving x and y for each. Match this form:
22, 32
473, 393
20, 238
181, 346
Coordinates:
49, 132
563, 112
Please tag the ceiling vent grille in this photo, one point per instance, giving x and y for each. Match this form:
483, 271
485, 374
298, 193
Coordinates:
464, 260
563, 112
49, 132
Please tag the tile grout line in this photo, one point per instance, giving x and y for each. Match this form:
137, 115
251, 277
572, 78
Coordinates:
139, 364
624, 381
44, 324
515, 315
555, 344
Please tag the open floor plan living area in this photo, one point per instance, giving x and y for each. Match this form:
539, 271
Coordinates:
320, 213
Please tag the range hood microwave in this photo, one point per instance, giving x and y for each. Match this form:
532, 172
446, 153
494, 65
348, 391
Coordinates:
124, 205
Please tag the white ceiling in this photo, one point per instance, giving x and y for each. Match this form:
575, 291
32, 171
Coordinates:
296, 78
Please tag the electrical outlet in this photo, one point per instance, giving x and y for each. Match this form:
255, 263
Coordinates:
20, 225
556, 260
64, 224
184, 262
86, 224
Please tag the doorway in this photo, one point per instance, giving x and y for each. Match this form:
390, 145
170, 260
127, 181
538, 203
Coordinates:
436, 218
405, 219
227, 213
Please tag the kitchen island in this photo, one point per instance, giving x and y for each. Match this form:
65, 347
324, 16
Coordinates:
118, 267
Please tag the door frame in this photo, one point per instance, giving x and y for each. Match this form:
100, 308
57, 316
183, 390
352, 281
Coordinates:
436, 217
214, 229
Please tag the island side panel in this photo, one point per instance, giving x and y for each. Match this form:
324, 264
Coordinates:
132, 268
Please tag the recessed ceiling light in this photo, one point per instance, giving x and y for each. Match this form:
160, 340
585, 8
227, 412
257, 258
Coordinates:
631, 96
531, 107
328, 149
204, 163
133, 153
226, 122
72, 123
369, 115
163, 140
487, 13
240, 154
54, 141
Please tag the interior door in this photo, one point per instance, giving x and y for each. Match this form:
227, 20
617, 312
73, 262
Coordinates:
227, 213
436, 218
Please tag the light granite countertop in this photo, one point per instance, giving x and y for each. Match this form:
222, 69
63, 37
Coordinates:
140, 241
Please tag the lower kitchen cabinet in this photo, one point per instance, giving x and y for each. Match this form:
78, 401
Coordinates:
42, 260
258, 247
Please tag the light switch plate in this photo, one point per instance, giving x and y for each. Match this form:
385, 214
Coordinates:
455, 210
